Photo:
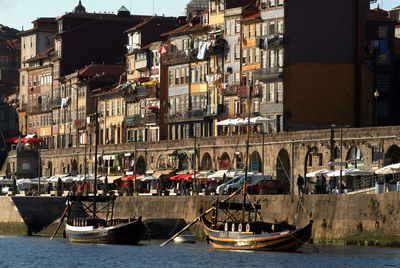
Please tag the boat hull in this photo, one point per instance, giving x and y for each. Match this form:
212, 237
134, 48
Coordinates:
123, 233
279, 241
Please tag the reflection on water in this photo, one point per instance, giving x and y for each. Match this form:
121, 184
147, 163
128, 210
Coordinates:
40, 252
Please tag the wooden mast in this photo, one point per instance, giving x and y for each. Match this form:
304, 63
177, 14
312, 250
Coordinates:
95, 156
247, 150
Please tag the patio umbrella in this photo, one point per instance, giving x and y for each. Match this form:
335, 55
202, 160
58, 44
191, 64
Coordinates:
350, 172
318, 173
226, 122
390, 169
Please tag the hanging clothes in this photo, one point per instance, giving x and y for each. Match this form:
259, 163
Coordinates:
202, 50
383, 46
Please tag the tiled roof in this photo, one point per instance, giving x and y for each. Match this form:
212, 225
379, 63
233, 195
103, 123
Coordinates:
379, 16
251, 15
94, 69
42, 55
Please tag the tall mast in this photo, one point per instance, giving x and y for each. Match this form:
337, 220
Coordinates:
96, 118
247, 150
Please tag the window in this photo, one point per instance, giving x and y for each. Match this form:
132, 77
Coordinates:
244, 57
118, 107
280, 58
221, 5
264, 28
107, 109
177, 73
237, 52
280, 2
213, 6
187, 75
171, 77
271, 92
383, 32
228, 27
258, 29
250, 55
272, 27
263, 59
244, 31
280, 27
264, 93
257, 59
23, 80
272, 58
251, 27
280, 92
237, 26
183, 76
272, 3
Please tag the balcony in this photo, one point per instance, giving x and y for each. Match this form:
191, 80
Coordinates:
179, 57
138, 120
41, 108
142, 92
108, 171
54, 103
142, 64
230, 91
192, 115
273, 40
213, 110
268, 73
79, 124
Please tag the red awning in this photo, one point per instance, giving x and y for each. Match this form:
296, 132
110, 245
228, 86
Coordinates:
31, 140
130, 178
185, 177
12, 140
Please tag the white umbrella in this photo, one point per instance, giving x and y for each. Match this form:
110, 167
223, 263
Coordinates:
390, 169
237, 122
218, 175
148, 178
257, 120
350, 172
224, 122
318, 173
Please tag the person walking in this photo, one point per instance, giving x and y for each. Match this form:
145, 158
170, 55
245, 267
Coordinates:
300, 183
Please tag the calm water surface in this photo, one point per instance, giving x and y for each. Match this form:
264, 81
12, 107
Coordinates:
40, 252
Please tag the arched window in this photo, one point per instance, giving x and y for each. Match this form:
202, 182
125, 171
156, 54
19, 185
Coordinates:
355, 158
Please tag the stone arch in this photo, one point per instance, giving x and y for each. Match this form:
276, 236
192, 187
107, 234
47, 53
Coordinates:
239, 161
283, 170
224, 162
183, 161
140, 166
355, 158
313, 158
49, 169
255, 162
206, 162
162, 162
74, 168
392, 155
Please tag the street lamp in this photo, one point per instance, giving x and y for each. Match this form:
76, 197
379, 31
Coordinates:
376, 96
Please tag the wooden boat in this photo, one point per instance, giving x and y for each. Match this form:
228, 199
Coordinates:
84, 224
254, 235
250, 232
103, 231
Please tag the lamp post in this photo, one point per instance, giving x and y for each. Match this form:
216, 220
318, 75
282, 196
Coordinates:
376, 96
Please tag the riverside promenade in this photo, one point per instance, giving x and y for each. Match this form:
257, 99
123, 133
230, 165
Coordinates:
365, 219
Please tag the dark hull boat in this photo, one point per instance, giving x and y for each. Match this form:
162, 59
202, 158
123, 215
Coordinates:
257, 236
127, 231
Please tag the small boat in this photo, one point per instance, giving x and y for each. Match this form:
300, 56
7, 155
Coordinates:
250, 231
185, 237
253, 235
102, 231
83, 222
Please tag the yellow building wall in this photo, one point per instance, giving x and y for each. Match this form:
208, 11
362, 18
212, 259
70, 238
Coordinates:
45, 131
319, 94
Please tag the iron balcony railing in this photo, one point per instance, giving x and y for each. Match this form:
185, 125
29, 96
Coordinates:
139, 120
268, 73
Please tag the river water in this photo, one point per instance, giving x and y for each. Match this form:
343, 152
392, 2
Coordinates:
41, 252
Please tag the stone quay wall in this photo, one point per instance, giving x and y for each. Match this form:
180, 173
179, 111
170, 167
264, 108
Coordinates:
335, 216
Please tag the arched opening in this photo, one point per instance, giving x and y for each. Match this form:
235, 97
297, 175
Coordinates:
392, 155
255, 162
183, 162
49, 170
224, 162
336, 153
206, 162
313, 160
162, 163
283, 170
239, 161
140, 166
355, 158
